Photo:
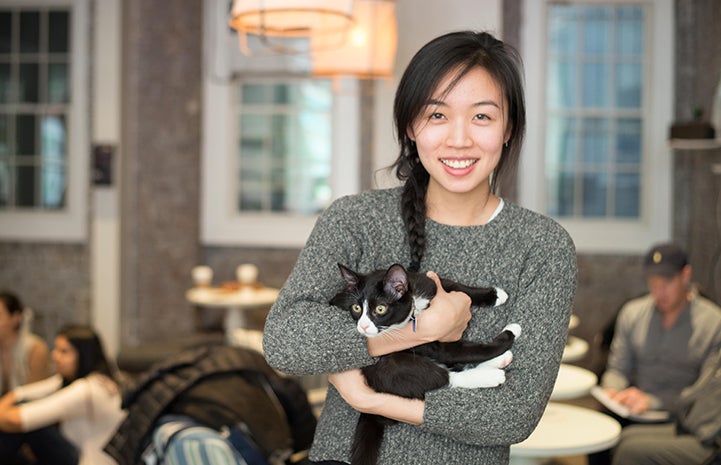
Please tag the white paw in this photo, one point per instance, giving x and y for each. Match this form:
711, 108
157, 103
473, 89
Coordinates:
502, 361
501, 296
515, 328
478, 377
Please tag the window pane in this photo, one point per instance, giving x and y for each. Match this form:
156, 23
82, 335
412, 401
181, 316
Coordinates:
58, 90
5, 31
25, 134
627, 195
4, 137
25, 186
595, 141
563, 29
562, 142
29, 83
595, 84
628, 141
561, 187
628, 85
563, 84
29, 32
54, 184
597, 30
58, 26
629, 31
6, 84
4, 183
594, 194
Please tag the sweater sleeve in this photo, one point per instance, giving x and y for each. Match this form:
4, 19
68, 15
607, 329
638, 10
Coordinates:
70, 401
620, 358
39, 389
303, 333
541, 302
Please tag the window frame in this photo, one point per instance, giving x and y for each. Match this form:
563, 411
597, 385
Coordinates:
221, 223
607, 235
69, 224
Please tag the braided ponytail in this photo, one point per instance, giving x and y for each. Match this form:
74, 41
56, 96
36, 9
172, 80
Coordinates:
413, 209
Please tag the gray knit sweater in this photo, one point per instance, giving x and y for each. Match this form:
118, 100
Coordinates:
531, 257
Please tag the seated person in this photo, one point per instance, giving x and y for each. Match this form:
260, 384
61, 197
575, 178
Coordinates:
24, 357
662, 341
82, 399
694, 438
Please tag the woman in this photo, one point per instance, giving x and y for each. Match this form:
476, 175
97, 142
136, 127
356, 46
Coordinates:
23, 356
460, 118
82, 397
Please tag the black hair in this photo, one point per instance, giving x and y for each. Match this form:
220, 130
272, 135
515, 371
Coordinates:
454, 52
12, 302
91, 356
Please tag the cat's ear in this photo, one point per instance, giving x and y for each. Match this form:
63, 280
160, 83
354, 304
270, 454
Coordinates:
350, 277
395, 281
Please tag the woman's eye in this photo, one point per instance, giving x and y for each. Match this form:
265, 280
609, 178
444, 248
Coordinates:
381, 309
436, 116
482, 116
356, 308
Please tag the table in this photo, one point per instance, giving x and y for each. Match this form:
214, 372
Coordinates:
566, 430
573, 382
235, 302
576, 348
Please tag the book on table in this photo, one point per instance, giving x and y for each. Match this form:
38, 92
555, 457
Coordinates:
649, 416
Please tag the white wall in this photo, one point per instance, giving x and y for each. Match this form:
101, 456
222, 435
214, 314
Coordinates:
418, 22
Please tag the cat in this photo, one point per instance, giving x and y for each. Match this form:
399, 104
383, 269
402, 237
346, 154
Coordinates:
384, 300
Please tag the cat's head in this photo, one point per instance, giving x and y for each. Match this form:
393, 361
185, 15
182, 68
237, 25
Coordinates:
378, 301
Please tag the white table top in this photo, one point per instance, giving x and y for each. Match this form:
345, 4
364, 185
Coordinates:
576, 348
246, 297
569, 430
573, 382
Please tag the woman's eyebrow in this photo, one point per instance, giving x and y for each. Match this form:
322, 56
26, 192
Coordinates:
440, 103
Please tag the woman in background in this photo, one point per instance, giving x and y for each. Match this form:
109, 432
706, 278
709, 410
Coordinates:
24, 357
83, 398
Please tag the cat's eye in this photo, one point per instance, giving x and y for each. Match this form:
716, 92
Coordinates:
356, 308
381, 309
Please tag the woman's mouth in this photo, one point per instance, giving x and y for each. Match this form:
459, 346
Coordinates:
458, 164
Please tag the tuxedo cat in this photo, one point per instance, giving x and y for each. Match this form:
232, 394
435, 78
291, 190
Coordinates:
384, 300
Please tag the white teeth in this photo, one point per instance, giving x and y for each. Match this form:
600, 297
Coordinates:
458, 164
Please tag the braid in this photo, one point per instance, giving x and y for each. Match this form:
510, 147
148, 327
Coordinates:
413, 206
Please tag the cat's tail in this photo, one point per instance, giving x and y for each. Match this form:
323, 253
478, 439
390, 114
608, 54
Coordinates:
367, 440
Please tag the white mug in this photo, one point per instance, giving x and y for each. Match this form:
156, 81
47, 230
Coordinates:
202, 276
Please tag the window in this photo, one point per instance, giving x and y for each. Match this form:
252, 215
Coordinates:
285, 136
278, 145
42, 122
594, 80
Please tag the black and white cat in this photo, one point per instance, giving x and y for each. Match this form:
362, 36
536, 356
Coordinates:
384, 300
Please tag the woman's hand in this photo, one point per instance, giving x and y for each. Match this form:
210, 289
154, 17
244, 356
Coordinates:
444, 320
447, 316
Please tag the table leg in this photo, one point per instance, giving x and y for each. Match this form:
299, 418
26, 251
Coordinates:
234, 319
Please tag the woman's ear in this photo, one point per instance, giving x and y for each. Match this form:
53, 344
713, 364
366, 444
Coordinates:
409, 133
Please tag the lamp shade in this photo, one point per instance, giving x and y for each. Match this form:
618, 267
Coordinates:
368, 49
290, 18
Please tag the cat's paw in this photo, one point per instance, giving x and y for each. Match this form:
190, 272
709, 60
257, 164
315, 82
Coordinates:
478, 377
501, 297
502, 361
515, 328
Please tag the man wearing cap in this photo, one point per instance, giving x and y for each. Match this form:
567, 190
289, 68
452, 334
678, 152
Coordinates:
663, 340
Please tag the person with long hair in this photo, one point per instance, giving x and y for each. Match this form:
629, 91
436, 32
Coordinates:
68, 417
24, 356
459, 118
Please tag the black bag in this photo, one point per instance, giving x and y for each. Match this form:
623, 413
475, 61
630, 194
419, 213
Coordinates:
699, 406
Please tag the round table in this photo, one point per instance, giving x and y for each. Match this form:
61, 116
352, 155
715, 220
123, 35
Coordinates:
235, 302
573, 382
566, 430
576, 348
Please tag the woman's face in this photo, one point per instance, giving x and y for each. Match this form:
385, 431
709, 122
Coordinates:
65, 358
8, 322
460, 135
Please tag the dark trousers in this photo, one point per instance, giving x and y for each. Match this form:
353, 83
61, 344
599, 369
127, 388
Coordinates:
48, 446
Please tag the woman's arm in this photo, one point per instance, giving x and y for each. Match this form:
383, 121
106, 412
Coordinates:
9, 414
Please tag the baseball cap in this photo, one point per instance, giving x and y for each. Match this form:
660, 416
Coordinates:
665, 260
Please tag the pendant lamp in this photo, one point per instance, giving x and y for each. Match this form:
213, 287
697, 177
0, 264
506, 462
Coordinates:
291, 18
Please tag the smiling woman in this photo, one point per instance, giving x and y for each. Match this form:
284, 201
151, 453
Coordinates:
459, 118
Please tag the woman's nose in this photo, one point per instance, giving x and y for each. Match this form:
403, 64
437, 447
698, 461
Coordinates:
458, 135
